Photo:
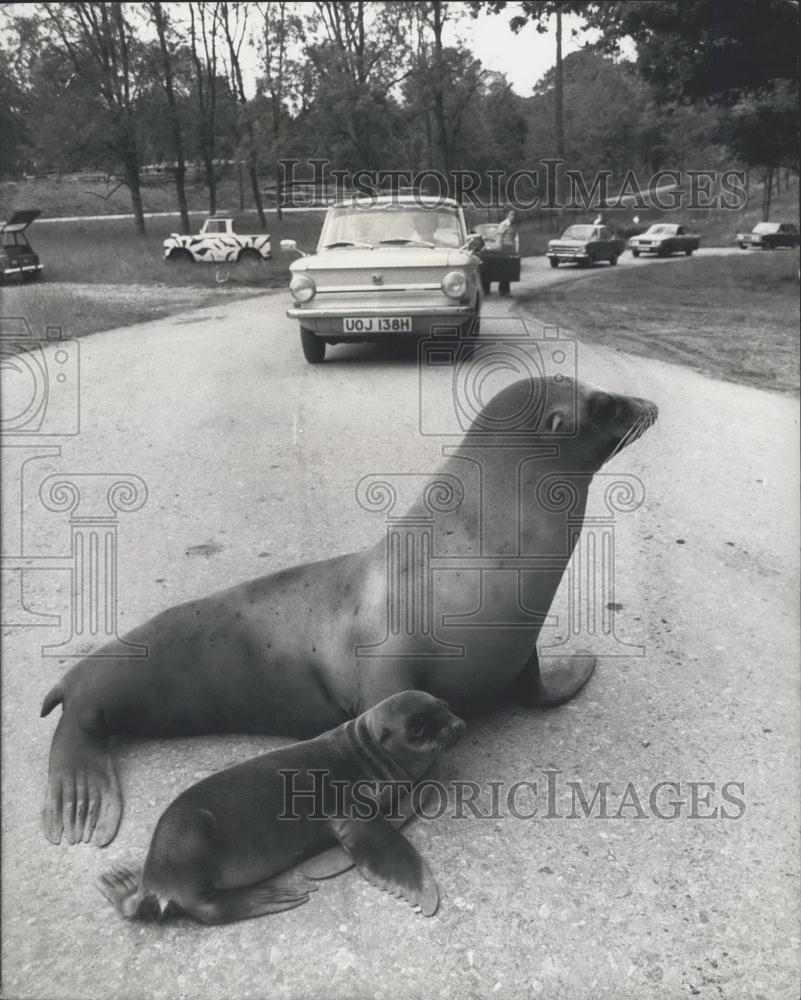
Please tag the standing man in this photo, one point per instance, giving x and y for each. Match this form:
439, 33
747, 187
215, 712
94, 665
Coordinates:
508, 239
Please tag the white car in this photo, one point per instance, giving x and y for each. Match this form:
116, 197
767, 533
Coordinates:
386, 267
217, 243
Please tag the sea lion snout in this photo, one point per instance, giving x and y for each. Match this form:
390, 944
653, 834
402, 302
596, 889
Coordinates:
414, 727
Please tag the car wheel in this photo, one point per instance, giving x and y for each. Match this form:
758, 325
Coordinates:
635, 253
180, 257
250, 258
743, 246
554, 262
486, 286
661, 252
613, 260
313, 346
689, 252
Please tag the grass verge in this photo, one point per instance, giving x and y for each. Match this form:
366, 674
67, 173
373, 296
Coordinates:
100, 275
735, 318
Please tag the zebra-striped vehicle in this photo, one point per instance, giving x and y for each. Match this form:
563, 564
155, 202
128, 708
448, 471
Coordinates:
217, 243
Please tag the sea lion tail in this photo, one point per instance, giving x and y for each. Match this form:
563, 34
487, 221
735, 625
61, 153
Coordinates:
55, 696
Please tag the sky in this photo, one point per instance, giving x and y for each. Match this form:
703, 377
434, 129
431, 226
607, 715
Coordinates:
524, 57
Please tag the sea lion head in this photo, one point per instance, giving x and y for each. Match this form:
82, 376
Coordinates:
413, 728
588, 424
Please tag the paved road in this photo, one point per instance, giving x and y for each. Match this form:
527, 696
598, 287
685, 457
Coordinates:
250, 457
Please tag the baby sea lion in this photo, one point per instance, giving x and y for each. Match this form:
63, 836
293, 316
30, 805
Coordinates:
218, 848
285, 654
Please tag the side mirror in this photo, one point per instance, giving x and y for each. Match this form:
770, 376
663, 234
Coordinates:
291, 246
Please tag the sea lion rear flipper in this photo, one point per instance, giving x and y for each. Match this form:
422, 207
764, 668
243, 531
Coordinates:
567, 678
387, 860
228, 905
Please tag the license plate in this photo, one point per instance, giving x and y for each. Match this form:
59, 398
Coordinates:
377, 324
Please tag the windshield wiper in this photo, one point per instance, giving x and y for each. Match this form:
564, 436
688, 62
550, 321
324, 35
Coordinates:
348, 243
398, 241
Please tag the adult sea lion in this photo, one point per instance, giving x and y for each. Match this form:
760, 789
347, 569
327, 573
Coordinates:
217, 848
288, 654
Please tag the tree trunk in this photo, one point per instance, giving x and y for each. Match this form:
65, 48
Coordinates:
767, 192
211, 182
439, 97
254, 183
131, 168
175, 124
559, 90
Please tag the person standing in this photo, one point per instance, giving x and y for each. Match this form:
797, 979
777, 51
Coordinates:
508, 239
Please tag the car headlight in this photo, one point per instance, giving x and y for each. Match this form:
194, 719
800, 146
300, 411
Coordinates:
302, 288
454, 284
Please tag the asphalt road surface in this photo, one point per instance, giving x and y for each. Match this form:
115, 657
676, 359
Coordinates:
250, 458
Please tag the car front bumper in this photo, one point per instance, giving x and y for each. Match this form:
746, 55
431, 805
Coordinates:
12, 269
560, 254
328, 322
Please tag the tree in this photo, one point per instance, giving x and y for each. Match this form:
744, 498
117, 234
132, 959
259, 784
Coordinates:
741, 56
281, 26
540, 13
163, 29
234, 19
359, 55
101, 43
12, 119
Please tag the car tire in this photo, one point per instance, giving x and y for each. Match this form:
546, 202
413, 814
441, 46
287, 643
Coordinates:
613, 260
486, 286
688, 253
180, 257
743, 246
554, 262
313, 346
635, 253
251, 258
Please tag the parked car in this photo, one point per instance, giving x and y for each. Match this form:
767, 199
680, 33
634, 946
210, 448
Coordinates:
769, 236
217, 243
497, 263
18, 259
586, 245
385, 268
663, 239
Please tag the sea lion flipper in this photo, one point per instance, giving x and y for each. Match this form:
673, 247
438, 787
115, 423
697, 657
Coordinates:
388, 861
329, 863
228, 905
83, 799
566, 678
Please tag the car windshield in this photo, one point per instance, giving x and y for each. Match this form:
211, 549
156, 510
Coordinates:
578, 233
391, 225
663, 230
766, 227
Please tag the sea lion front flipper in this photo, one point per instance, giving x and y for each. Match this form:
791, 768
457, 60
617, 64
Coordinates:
83, 797
334, 861
337, 861
387, 860
567, 678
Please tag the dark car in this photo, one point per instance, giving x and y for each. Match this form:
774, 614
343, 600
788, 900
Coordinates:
769, 236
18, 259
665, 238
586, 245
497, 263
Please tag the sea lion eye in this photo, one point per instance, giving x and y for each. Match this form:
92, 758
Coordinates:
605, 406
